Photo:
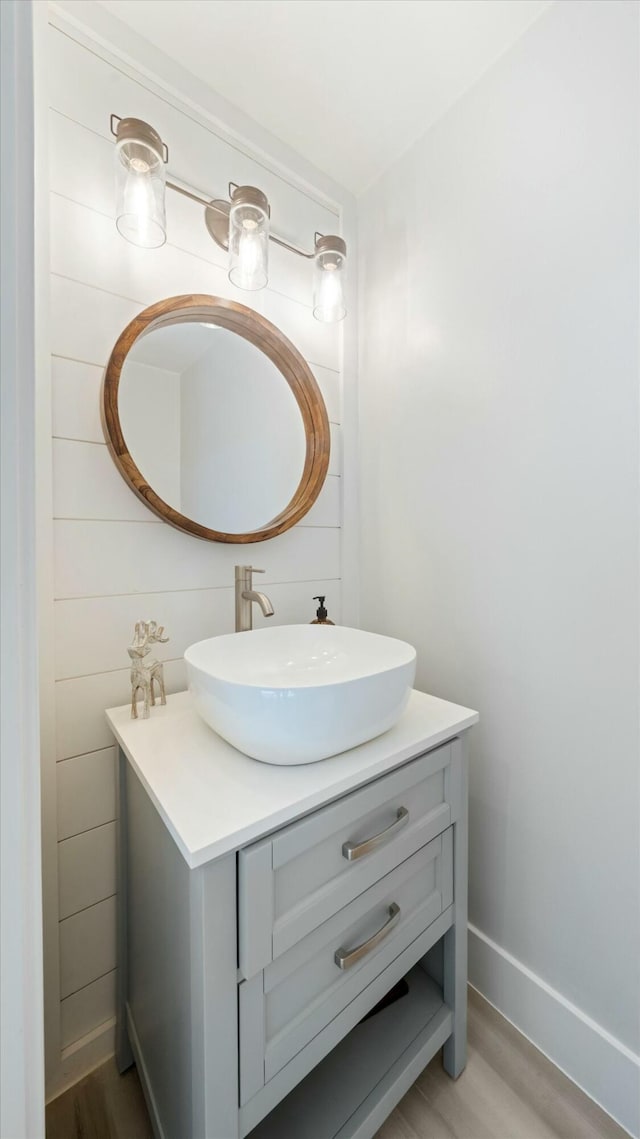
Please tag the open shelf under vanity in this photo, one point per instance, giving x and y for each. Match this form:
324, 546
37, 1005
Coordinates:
356, 1086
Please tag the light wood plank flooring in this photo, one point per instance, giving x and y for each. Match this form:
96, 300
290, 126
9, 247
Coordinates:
104, 1105
508, 1091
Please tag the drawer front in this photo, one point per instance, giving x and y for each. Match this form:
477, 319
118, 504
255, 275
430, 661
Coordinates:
302, 991
292, 882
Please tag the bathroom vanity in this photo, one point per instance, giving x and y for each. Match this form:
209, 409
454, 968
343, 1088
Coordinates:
265, 911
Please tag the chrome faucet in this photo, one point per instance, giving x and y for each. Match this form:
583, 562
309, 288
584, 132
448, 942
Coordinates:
245, 596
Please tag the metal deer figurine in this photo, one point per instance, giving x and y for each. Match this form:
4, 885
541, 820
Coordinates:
145, 672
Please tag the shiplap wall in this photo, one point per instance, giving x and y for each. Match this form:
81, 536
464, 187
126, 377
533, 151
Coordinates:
114, 561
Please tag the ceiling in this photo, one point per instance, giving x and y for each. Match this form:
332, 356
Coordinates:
349, 84
175, 347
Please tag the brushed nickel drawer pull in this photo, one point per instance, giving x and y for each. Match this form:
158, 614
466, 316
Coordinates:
349, 851
345, 958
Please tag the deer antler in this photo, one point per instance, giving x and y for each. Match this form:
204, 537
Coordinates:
156, 633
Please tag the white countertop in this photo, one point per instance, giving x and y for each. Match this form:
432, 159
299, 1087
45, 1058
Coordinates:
213, 799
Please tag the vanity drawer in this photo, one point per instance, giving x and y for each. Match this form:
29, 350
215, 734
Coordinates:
289, 1003
293, 881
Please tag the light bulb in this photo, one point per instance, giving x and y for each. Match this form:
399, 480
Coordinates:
139, 165
329, 292
248, 251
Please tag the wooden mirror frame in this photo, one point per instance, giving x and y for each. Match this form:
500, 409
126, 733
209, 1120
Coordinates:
295, 370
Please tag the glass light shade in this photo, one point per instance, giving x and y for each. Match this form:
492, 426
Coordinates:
329, 279
248, 238
140, 184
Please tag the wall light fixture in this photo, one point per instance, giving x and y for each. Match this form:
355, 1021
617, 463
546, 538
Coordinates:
248, 238
240, 225
328, 278
140, 184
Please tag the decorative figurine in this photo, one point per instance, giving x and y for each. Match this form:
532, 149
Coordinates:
144, 673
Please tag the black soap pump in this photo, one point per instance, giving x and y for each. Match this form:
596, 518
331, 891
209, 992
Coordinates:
321, 614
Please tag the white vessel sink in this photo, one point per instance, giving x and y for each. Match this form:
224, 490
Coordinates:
300, 693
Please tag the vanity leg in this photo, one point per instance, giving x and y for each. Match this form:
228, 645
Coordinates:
454, 1055
124, 1055
214, 996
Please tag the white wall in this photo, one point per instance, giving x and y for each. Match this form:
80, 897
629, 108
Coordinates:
499, 418
114, 560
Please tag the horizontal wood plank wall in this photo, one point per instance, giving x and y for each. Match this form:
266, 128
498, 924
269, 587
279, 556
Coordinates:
115, 561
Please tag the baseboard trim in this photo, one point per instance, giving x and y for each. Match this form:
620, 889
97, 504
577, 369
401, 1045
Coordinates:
604, 1068
82, 1057
143, 1075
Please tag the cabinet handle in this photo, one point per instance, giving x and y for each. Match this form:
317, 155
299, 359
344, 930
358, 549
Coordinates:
350, 852
345, 958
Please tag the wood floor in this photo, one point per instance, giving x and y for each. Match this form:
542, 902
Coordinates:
508, 1091
104, 1105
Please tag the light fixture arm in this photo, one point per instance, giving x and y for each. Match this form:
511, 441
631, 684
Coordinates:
202, 201
290, 247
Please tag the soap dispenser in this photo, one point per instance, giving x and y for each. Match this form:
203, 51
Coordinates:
321, 614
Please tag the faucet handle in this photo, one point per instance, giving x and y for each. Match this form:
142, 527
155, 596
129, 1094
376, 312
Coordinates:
254, 570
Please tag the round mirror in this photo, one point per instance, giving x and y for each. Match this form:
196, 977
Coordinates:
215, 420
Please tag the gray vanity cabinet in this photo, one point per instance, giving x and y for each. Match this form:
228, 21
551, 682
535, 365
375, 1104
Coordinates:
245, 980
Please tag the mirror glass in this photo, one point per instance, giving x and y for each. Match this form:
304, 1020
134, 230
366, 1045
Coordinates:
212, 425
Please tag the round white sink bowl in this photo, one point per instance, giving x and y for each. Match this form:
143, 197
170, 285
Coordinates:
300, 693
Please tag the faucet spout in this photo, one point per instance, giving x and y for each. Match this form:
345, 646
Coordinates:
246, 595
262, 600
